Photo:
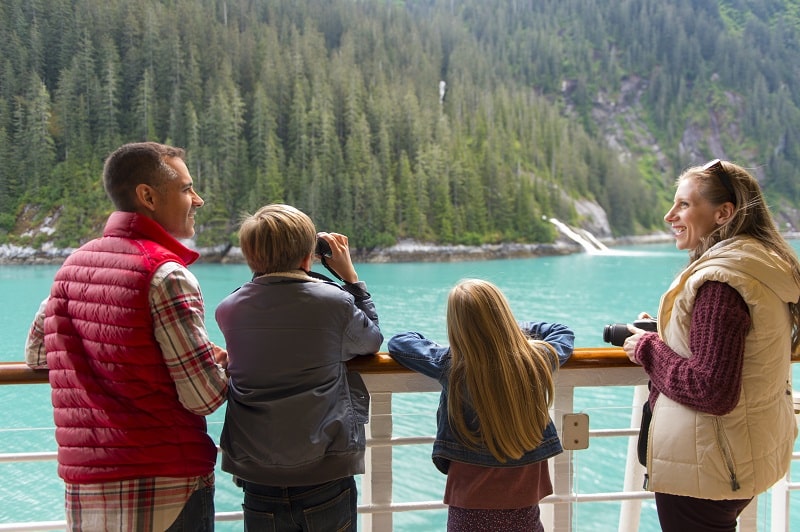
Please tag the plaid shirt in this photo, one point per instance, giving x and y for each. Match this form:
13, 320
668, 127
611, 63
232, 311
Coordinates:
176, 305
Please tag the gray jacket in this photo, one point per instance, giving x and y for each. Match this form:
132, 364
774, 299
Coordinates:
294, 415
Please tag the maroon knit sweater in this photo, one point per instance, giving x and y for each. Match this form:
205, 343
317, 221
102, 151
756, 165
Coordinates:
711, 379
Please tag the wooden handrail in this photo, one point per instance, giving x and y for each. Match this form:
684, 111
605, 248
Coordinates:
20, 373
381, 363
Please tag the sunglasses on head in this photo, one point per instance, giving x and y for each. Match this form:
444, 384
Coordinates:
715, 168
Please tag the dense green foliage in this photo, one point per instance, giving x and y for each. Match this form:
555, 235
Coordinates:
334, 106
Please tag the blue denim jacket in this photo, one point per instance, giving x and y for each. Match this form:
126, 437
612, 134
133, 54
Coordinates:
416, 352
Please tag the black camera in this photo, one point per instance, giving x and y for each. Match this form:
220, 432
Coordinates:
616, 333
323, 249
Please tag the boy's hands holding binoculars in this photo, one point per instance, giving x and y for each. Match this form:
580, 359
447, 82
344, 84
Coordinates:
333, 249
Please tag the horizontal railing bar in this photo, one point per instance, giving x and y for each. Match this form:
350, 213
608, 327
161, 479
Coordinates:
28, 457
550, 499
610, 496
391, 442
376, 442
381, 363
228, 516
20, 373
419, 440
400, 507
33, 525
219, 517
605, 433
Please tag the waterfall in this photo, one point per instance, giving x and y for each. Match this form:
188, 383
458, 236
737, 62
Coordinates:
587, 241
593, 239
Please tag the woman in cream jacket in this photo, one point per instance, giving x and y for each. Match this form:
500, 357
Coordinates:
723, 424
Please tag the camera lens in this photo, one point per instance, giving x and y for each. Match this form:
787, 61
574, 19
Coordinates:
607, 333
616, 334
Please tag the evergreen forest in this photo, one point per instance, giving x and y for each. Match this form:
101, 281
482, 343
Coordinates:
445, 121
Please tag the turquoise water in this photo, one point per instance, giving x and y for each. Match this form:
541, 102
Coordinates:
583, 291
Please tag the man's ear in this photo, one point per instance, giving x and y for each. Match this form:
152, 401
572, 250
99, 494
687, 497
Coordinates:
145, 197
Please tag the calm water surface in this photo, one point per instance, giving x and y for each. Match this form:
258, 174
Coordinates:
583, 291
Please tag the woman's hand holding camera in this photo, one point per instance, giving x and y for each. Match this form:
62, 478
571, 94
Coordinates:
630, 342
339, 259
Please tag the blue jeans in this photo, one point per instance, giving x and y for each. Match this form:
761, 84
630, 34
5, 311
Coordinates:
198, 513
331, 506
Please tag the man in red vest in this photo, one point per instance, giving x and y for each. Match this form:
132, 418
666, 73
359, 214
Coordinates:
132, 369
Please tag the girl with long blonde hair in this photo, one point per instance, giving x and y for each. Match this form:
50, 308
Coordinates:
494, 432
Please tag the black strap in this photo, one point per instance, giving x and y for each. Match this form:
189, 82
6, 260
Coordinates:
644, 433
360, 296
321, 277
325, 263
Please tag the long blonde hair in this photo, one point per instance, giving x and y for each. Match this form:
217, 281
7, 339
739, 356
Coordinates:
723, 181
505, 377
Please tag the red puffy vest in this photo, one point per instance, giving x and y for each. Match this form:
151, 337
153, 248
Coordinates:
116, 409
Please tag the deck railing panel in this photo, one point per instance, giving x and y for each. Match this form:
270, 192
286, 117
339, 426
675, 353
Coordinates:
590, 367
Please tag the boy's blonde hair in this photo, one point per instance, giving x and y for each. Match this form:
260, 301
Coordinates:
276, 238
505, 377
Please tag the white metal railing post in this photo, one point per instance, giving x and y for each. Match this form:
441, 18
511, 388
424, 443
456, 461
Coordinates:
561, 514
779, 514
748, 519
566, 383
631, 510
376, 484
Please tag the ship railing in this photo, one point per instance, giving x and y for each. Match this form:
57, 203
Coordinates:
588, 367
